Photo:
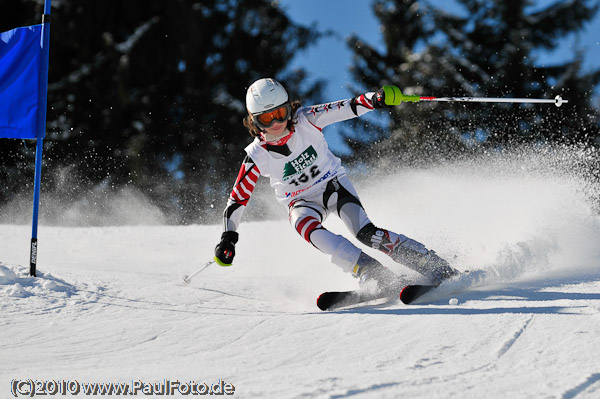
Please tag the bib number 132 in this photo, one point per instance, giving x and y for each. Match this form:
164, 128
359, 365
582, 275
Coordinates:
304, 177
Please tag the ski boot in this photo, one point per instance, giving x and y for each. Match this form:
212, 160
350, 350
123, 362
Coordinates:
369, 271
437, 268
414, 255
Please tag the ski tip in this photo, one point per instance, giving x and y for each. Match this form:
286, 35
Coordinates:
403, 291
332, 299
407, 294
411, 293
322, 303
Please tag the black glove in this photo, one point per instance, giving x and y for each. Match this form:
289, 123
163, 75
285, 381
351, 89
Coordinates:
225, 250
386, 97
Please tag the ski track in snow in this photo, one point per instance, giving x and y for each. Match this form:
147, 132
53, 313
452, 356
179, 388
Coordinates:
510, 342
583, 387
110, 305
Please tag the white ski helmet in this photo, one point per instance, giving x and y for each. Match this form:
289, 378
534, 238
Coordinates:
265, 94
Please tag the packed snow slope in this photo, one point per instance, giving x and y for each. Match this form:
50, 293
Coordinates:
109, 304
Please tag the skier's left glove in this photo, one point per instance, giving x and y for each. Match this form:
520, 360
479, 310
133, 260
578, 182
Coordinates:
225, 250
386, 97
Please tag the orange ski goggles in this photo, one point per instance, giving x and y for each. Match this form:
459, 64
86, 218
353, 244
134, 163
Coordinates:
267, 118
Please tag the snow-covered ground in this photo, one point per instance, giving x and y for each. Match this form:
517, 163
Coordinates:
109, 304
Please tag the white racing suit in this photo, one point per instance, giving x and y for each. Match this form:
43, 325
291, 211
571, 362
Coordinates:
310, 181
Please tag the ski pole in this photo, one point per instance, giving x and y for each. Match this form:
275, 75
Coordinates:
558, 101
188, 278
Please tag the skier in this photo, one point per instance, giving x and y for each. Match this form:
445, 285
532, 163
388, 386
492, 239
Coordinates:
289, 149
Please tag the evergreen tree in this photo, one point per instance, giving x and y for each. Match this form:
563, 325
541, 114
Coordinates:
487, 51
491, 52
415, 132
150, 94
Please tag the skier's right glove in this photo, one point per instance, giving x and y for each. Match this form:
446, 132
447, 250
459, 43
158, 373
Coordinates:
389, 96
386, 97
225, 250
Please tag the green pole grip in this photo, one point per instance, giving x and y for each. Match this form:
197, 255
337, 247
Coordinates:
218, 261
393, 96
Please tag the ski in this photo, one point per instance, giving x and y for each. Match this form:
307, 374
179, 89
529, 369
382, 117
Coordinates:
411, 293
459, 283
331, 300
